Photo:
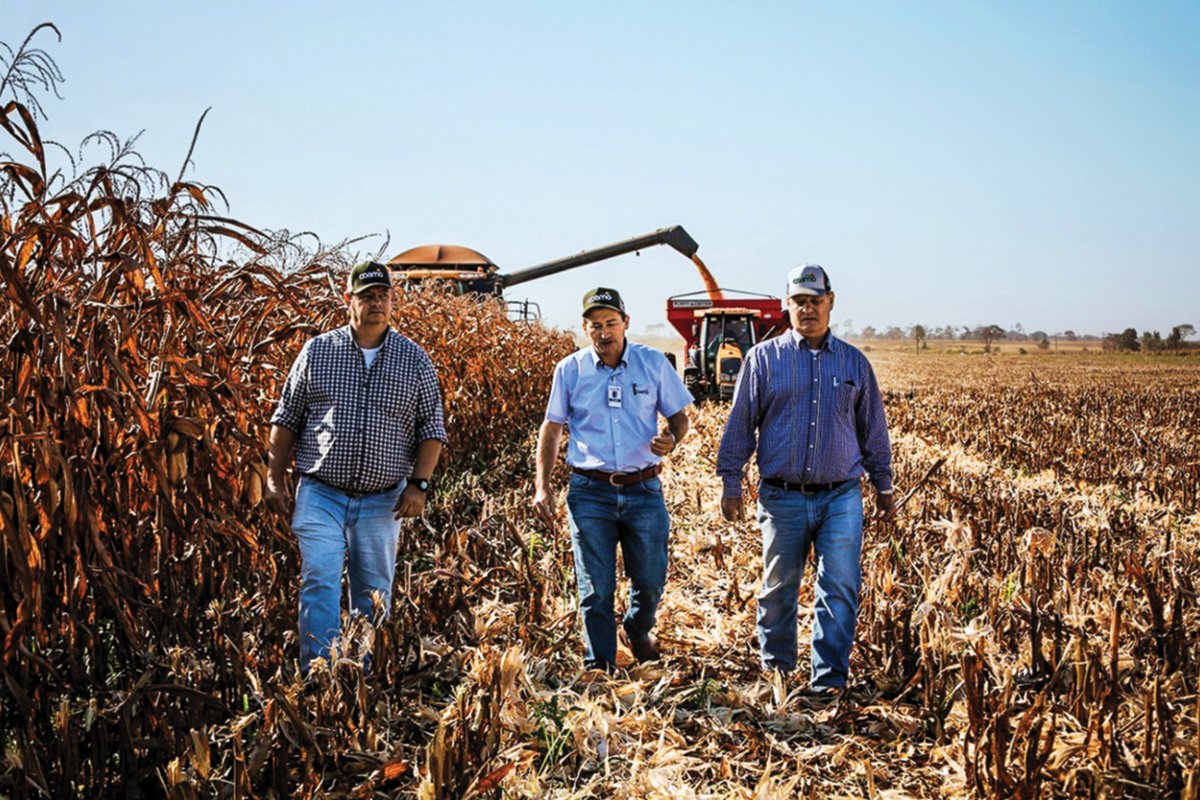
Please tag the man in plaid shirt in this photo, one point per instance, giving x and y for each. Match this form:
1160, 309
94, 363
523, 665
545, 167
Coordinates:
362, 407
815, 406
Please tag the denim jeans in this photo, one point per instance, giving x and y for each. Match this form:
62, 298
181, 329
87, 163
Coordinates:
603, 516
335, 530
831, 524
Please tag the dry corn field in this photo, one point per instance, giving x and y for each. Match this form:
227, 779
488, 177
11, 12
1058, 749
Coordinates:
1028, 624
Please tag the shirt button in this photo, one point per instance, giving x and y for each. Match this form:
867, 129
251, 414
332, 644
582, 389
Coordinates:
812, 423
810, 447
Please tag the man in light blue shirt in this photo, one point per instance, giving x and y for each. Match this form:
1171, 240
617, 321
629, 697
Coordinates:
610, 396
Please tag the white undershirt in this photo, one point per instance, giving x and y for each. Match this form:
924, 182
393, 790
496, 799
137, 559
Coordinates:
370, 353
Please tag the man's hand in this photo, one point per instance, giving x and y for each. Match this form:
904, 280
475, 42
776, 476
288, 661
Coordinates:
732, 509
277, 496
545, 506
662, 444
885, 506
410, 503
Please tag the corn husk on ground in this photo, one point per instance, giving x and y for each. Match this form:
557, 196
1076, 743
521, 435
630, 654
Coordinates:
1028, 625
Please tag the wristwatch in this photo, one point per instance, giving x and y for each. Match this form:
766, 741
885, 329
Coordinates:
421, 484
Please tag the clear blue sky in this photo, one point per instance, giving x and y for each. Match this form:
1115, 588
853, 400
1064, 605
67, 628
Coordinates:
949, 163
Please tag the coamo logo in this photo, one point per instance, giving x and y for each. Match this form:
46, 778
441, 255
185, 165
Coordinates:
596, 298
809, 277
374, 275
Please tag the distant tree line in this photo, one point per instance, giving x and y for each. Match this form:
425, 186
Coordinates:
1126, 341
1150, 341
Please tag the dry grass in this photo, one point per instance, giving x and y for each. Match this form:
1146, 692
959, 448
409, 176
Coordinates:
1028, 626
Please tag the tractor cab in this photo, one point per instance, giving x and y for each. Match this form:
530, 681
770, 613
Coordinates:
723, 337
718, 332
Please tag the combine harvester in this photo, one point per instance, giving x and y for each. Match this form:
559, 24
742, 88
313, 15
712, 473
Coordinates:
474, 273
718, 331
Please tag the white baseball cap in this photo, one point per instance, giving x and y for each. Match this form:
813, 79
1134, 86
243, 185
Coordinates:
807, 279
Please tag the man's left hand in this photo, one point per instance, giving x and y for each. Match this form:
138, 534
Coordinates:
662, 444
411, 503
885, 506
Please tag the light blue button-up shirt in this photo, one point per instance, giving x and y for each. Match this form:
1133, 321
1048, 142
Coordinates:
609, 435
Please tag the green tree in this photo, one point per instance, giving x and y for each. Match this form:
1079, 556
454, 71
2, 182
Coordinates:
1178, 334
1128, 341
918, 334
989, 334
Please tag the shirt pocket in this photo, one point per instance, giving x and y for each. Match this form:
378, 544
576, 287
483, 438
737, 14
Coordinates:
395, 417
645, 399
847, 396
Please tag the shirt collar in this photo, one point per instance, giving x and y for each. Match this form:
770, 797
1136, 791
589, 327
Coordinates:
597, 362
348, 337
802, 342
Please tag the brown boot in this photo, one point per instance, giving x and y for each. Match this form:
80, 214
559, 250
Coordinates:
644, 649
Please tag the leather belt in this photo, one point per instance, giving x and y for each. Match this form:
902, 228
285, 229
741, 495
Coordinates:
805, 488
354, 493
620, 478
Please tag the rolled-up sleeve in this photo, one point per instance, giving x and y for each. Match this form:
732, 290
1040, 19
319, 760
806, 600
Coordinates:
431, 423
673, 395
293, 400
557, 407
739, 440
873, 439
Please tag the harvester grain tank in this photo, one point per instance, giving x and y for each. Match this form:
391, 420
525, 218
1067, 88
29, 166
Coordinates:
474, 273
718, 331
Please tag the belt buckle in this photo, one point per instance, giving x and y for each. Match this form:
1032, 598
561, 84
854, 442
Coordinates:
612, 478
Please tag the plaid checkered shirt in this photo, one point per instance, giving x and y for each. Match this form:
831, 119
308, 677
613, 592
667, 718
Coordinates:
818, 416
358, 428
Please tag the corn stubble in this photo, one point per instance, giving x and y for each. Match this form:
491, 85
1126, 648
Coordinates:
1028, 625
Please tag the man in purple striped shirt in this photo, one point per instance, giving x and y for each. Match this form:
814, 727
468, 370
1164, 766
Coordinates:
811, 403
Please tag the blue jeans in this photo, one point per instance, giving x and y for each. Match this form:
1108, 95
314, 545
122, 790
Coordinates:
334, 529
603, 516
830, 523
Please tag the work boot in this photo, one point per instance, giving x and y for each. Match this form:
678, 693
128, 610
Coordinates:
822, 696
644, 649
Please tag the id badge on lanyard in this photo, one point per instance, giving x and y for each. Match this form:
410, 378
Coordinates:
614, 395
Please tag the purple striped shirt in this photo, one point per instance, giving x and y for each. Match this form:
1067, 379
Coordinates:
815, 417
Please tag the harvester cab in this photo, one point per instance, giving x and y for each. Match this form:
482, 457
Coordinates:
467, 271
471, 272
718, 333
